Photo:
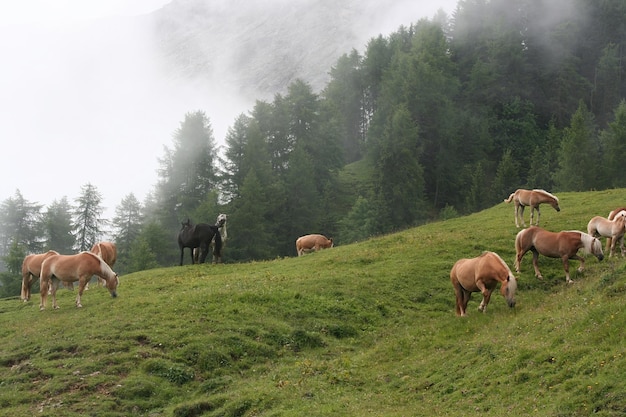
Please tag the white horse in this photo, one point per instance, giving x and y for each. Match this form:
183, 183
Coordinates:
611, 229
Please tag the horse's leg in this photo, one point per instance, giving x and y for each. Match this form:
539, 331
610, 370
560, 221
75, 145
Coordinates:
52, 288
182, 252
566, 259
486, 296
458, 297
536, 264
82, 282
516, 211
538, 216
204, 248
43, 287
612, 251
521, 214
465, 298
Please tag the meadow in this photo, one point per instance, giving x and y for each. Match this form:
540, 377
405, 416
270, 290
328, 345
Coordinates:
366, 329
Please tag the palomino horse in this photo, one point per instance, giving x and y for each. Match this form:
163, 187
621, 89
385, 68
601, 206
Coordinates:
108, 252
199, 236
221, 226
31, 268
611, 229
482, 274
564, 245
611, 216
71, 268
532, 198
312, 243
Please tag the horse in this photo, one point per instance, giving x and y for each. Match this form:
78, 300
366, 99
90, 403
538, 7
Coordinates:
199, 236
564, 245
611, 216
221, 226
611, 229
532, 198
108, 252
31, 268
312, 243
482, 274
71, 268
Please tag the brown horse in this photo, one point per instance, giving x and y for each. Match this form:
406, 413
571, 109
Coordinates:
611, 216
71, 268
31, 268
532, 198
108, 252
564, 245
482, 274
611, 229
312, 243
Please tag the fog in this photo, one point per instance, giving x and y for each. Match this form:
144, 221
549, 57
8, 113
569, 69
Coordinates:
89, 100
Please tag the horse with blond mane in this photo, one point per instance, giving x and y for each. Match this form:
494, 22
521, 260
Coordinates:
31, 268
564, 245
71, 268
531, 198
613, 229
611, 216
482, 274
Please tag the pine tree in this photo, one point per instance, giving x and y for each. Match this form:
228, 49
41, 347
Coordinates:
58, 227
88, 223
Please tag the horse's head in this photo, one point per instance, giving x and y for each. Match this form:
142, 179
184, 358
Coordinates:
508, 288
112, 283
596, 248
221, 220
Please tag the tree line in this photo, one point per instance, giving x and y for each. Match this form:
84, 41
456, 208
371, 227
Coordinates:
443, 117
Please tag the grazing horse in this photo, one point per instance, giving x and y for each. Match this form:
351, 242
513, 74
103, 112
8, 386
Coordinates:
564, 245
482, 274
221, 226
199, 236
611, 229
108, 252
31, 268
532, 198
71, 268
611, 216
312, 243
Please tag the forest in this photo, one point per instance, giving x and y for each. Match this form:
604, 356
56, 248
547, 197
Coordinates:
443, 117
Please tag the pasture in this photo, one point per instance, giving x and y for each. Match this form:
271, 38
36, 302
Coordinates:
367, 329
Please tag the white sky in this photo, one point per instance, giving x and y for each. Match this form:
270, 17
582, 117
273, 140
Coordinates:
77, 107
16, 12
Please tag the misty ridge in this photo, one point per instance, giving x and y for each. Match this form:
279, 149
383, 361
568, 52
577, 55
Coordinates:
256, 49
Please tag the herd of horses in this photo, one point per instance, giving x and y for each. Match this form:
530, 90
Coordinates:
483, 273
480, 274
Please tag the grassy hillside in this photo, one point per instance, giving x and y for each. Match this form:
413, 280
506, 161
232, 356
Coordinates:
364, 329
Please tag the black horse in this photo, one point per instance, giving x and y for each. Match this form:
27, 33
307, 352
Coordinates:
199, 236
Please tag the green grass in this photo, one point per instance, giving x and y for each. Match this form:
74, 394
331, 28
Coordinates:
363, 329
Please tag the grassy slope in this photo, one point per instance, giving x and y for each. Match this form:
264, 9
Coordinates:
364, 329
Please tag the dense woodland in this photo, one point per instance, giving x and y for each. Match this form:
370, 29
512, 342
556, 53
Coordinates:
442, 117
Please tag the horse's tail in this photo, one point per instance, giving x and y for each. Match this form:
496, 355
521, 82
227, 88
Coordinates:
217, 249
508, 200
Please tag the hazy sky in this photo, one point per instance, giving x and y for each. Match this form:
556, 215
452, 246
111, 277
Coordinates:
77, 107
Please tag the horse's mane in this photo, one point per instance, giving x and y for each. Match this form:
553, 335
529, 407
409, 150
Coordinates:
501, 261
542, 191
588, 242
103, 265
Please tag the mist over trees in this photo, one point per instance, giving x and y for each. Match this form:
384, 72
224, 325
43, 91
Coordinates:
441, 117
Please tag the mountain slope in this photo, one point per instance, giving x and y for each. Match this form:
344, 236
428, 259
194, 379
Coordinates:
363, 329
